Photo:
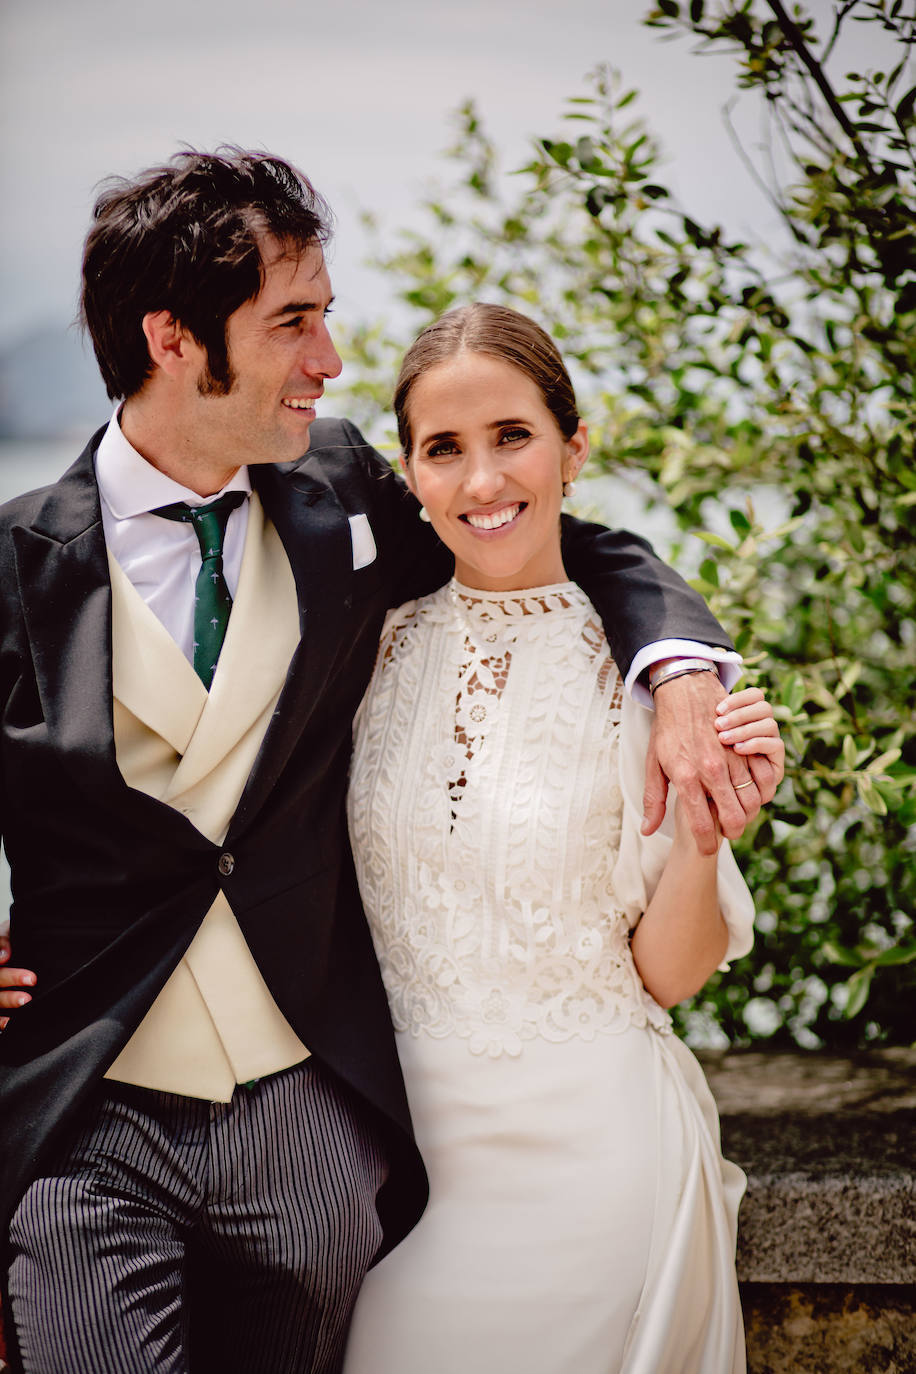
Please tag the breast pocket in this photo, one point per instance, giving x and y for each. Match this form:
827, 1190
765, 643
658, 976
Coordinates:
363, 541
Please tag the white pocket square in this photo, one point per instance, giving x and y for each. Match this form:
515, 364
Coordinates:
364, 550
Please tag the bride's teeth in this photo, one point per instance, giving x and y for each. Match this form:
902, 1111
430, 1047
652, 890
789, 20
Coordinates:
493, 522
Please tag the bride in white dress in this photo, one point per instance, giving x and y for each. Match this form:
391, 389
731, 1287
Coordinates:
581, 1217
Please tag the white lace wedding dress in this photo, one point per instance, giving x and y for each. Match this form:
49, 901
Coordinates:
581, 1217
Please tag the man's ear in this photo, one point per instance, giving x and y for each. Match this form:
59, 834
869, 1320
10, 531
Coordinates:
170, 345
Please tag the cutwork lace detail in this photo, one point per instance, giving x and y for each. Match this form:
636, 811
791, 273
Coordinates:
485, 811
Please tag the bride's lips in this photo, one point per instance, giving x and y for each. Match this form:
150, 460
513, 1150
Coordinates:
485, 522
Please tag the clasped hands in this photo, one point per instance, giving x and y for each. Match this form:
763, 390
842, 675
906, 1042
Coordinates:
722, 753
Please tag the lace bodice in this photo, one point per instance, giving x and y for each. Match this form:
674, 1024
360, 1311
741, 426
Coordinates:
485, 812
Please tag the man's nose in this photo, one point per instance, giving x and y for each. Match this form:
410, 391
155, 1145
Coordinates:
321, 358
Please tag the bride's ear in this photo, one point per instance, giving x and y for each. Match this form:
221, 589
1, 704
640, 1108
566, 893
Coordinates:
406, 467
576, 453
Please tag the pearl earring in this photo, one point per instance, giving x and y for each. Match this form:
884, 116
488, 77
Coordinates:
569, 488
424, 515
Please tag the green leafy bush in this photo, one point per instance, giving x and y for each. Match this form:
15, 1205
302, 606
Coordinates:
735, 385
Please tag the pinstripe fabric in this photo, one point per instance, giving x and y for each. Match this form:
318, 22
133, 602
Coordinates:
182, 1235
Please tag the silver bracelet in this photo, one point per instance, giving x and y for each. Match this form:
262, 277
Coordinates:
680, 667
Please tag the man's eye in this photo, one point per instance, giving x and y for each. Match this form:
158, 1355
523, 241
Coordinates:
293, 323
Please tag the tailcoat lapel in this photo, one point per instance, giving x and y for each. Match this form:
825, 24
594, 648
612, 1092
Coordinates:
315, 532
62, 567
65, 591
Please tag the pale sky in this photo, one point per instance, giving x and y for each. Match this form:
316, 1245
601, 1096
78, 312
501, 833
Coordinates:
358, 92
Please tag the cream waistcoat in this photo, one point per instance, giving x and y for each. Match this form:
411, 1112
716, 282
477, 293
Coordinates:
214, 1024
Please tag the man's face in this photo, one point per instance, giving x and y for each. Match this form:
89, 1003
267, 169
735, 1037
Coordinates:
280, 354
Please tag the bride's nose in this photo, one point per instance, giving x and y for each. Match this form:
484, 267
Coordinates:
484, 479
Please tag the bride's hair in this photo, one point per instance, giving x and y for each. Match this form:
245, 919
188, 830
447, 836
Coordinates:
501, 333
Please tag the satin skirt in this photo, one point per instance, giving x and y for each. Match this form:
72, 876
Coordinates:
581, 1217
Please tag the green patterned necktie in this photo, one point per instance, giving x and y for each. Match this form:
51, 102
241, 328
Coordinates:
212, 602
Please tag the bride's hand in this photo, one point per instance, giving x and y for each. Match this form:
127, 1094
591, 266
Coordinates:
745, 722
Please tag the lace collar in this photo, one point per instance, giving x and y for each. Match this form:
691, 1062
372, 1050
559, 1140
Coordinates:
490, 607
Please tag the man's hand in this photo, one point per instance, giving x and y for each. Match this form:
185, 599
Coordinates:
714, 782
12, 981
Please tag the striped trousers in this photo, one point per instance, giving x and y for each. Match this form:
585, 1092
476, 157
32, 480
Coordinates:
188, 1237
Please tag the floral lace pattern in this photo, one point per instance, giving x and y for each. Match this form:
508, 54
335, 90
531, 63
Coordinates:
485, 812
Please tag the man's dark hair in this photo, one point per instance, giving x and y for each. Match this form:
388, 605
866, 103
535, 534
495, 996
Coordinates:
186, 237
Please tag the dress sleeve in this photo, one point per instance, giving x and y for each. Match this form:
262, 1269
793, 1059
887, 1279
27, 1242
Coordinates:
642, 857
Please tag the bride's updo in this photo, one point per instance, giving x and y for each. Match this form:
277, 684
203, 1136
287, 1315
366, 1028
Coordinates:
501, 333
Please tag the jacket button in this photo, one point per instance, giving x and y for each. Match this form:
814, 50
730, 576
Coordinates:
225, 864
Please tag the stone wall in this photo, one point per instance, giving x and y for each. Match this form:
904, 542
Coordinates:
827, 1231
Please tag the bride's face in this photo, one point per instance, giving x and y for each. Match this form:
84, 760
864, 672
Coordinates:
488, 462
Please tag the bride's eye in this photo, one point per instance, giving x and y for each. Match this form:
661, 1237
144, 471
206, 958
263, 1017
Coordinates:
514, 435
442, 448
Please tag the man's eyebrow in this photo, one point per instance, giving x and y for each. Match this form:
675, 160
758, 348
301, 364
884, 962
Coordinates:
301, 308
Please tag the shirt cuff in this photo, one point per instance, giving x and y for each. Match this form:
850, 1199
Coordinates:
729, 664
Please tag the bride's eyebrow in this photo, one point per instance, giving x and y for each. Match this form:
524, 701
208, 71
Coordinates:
493, 424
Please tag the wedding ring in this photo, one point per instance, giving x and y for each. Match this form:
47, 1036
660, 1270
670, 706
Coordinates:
739, 785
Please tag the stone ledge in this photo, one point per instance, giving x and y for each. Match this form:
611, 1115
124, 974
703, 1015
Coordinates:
828, 1143
829, 1328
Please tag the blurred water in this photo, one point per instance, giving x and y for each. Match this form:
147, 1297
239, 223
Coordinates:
28, 463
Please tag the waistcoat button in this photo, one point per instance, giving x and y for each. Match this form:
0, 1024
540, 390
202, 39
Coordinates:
226, 864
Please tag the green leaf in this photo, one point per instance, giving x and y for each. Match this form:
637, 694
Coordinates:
715, 539
859, 986
850, 752
793, 693
870, 795
739, 521
900, 954
884, 761
905, 108
837, 955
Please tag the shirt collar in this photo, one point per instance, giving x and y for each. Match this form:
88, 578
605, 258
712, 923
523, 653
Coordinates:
129, 485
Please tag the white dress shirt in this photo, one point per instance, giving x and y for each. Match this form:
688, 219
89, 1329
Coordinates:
161, 557
727, 661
